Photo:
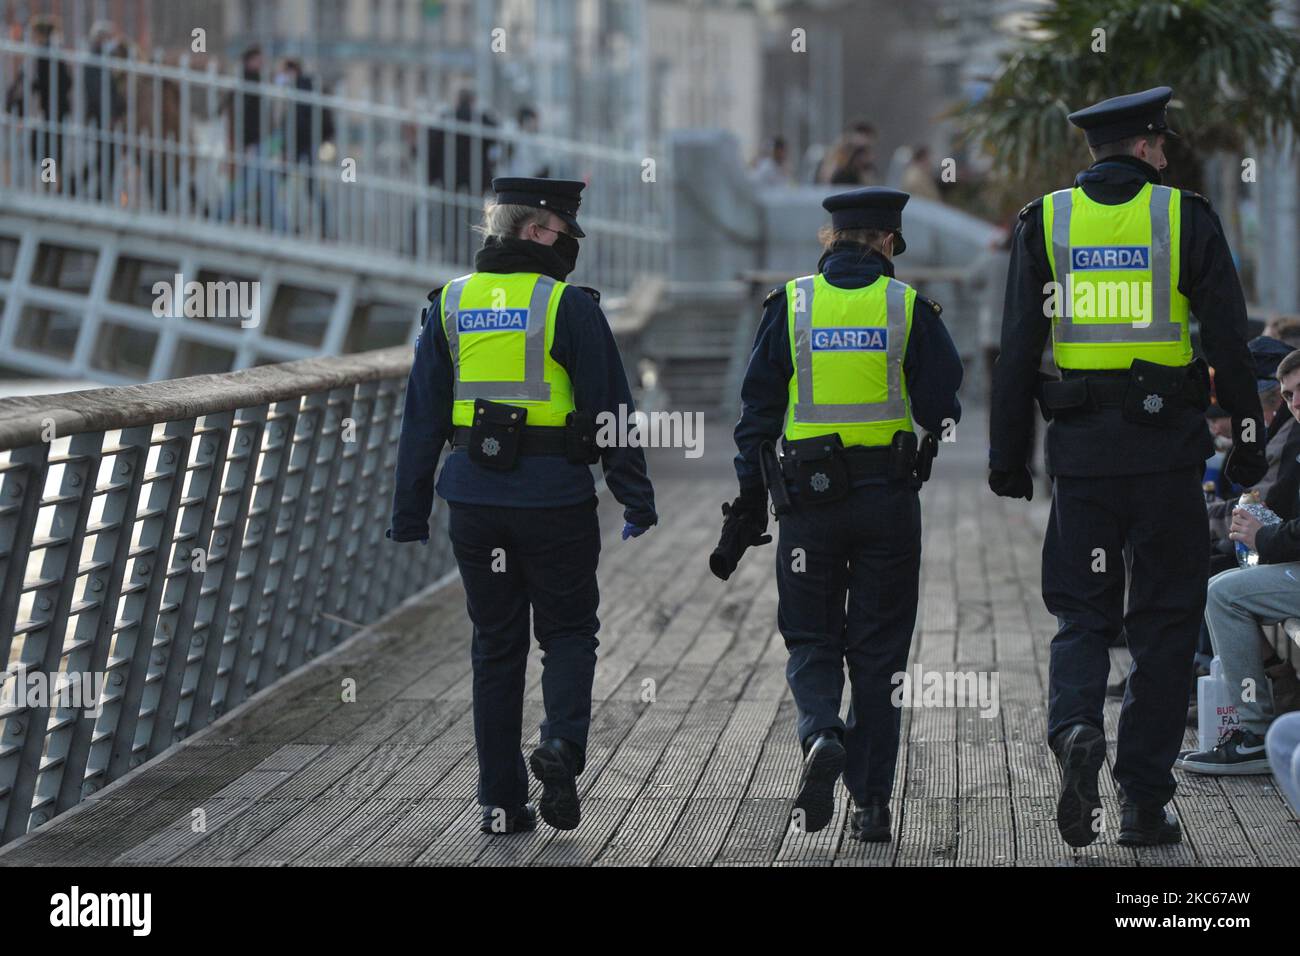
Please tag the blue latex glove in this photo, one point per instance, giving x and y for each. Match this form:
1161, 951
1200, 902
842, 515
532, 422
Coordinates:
631, 530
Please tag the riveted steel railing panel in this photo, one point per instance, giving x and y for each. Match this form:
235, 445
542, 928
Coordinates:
170, 549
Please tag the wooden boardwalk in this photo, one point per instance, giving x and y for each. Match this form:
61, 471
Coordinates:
693, 758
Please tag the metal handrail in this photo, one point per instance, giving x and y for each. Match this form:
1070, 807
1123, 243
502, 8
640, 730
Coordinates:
182, 545
173, 143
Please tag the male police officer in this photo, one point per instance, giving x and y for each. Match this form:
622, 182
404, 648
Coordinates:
1112, 268
512, 366
843, 361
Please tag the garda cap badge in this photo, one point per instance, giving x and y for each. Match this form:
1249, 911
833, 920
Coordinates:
491, 446
1152, 404
819, 482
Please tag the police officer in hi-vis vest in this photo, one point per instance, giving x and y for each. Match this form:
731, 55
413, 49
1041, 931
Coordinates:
512, 367
1114, 268
843, 361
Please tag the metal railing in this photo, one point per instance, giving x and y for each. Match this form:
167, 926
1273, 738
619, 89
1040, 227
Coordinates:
181, 545
217, 152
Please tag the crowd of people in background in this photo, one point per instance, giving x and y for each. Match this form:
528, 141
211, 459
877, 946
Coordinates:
260, 159
849, 162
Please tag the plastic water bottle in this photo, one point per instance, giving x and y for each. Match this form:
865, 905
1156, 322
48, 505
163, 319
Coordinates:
1216, 710
1252, 503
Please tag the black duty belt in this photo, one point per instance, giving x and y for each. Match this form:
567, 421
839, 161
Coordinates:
862, 462
1106, 391
535, 440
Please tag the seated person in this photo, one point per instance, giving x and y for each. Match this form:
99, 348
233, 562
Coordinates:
1283, 745
1238, 600
1267, 353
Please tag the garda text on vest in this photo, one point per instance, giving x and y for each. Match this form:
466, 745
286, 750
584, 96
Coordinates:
492, 320
1109, 258
850, 339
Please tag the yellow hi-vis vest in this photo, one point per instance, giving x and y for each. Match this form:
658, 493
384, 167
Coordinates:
847, 347
500, 327
1116, 269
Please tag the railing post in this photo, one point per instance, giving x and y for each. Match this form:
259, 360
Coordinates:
135, 640
97, 626
267, 542
220, 628
176, 619
21, 492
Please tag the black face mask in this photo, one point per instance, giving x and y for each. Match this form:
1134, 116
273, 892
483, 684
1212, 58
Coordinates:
566, 247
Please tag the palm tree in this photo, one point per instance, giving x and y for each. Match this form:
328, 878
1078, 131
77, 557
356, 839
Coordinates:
1235, 75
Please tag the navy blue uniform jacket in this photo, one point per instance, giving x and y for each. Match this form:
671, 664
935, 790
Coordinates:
584, 345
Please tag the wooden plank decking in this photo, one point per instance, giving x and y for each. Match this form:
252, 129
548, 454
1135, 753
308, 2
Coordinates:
693, 758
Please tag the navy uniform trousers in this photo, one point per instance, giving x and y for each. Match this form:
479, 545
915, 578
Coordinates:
1161, 517
851, 599
512, 559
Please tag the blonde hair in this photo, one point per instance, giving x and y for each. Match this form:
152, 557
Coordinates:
507, 220
875, 238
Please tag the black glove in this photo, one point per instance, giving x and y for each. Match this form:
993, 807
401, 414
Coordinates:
1246, 464
744, 525
1018, 483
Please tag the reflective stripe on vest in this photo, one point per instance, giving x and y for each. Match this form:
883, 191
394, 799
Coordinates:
807, 410
534, 386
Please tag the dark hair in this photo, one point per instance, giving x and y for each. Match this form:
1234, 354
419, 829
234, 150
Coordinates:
1122, 147
1290, 362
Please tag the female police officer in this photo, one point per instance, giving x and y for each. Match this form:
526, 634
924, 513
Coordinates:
842, 362
511, 367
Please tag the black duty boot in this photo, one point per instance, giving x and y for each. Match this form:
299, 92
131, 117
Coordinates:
1148, 826
499, 820
822, 765
870, 824
555, 764
1080, 751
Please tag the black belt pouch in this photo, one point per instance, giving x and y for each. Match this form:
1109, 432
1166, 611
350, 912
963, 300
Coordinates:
1155, 393
494, 436
1063, 397
902, 455
820, 472
580, 438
